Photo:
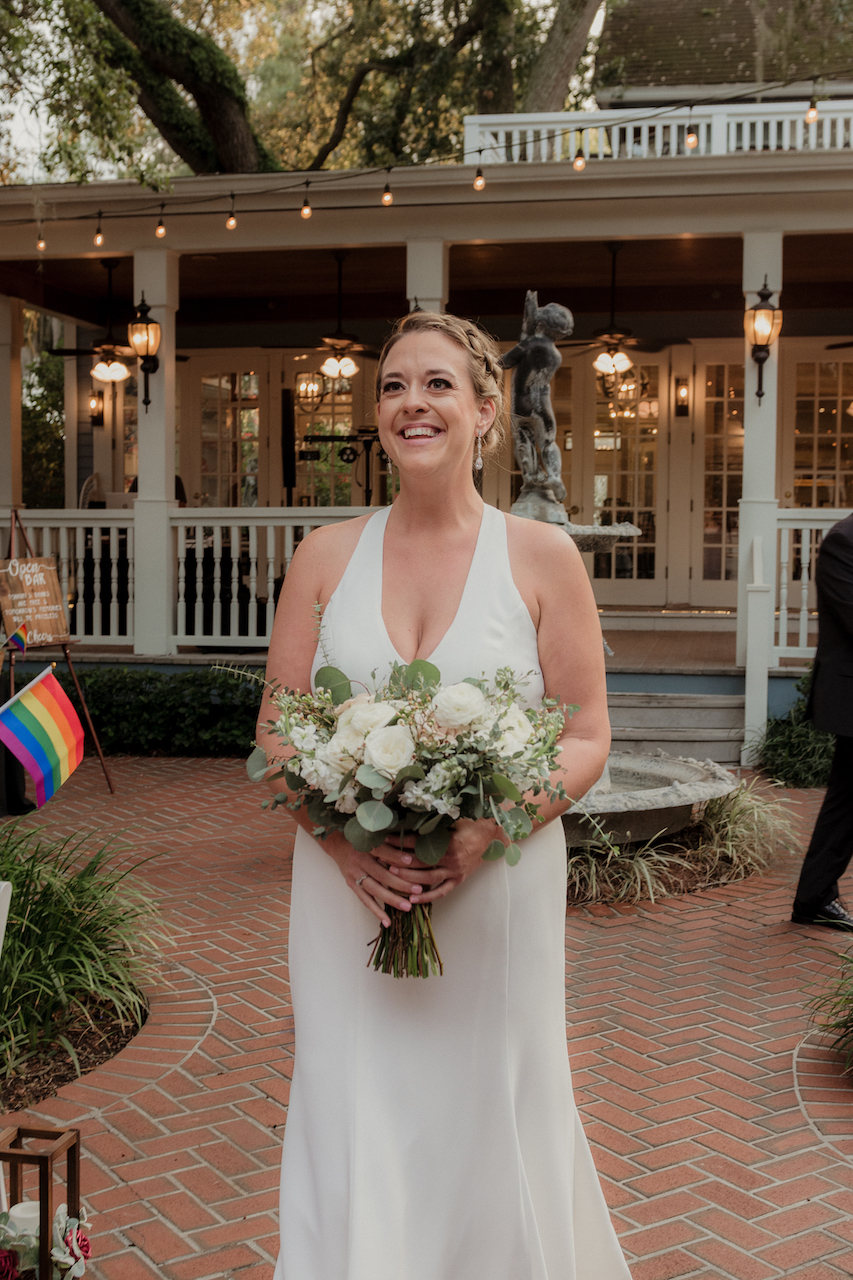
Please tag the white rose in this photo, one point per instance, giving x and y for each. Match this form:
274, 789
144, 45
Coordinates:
390, 749
458, 705
515, 724
373, 715
343, 749
360, 698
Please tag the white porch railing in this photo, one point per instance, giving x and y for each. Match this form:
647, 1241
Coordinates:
230, 563
656, 132
227, 564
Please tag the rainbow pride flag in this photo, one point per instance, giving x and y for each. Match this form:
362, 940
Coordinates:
18, 639
40, 727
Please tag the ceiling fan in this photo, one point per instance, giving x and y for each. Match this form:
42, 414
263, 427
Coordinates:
341, 345
109, 368
613, 359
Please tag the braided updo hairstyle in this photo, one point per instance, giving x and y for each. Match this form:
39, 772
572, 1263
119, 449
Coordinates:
484, 363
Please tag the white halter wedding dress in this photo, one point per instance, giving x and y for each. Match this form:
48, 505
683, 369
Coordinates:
432, 1133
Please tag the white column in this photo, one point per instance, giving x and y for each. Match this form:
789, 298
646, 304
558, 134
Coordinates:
155, 273
11, 338
69, 340
762, 256
427, 274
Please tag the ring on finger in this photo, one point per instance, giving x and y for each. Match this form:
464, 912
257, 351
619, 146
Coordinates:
360, 879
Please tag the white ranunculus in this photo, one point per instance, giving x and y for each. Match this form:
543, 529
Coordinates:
389, 749
458, 705
360, 698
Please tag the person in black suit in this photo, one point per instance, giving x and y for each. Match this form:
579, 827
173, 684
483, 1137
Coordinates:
830, 708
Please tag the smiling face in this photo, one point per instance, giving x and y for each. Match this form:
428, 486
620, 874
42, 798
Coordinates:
428, 411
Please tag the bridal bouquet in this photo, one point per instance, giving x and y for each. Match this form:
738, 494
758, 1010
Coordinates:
411, 758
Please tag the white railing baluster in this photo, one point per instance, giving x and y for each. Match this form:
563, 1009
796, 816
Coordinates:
784, 545
234, 613
288, 547
198, 608
181, 620
253, 581
63, 563
97, 610
113, 582
805, 561
216, 628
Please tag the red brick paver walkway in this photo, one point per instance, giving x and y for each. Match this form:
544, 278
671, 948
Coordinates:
722, 1133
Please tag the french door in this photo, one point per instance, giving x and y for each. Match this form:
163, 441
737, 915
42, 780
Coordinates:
223, 426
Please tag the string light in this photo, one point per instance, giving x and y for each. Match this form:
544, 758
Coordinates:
579, 162
99, 235
160, 229
41, 243
479, 180
812, 113
387, 194
692, 139
231, 221
306, 210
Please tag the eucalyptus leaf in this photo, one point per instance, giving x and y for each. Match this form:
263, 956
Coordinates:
432, 848
506, 787
362, 840
293, 780
373, 815
421, 675
412, 772
336, 682
495, 850
256, 765
369, 777
430, 824
513, 853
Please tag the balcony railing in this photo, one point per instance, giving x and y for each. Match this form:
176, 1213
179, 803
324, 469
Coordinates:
657, 132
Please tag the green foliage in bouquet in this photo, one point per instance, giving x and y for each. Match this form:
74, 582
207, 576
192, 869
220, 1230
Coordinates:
411, 773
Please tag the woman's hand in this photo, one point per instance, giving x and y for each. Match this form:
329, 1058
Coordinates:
469, 840
372, 880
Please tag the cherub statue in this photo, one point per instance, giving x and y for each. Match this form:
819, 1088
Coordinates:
536, 359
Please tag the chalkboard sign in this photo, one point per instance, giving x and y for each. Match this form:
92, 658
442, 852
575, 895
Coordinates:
30, 593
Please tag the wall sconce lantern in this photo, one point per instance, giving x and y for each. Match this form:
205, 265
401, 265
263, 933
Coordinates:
682, 398
144, 336
761, 324
96, 408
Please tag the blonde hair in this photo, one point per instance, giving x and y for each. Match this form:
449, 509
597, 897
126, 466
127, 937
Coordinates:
484, 363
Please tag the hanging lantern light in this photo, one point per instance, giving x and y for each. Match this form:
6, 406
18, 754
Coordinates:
310, 390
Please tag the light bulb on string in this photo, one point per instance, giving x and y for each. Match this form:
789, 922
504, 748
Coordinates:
99, 235
160, 229
231, 221
306, 211
812, 113
41, 243
691, 141
579, 162
387, 195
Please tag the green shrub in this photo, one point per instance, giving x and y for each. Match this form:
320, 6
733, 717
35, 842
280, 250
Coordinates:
81, 937
832, 1010
185, 713
734, 837
792, 752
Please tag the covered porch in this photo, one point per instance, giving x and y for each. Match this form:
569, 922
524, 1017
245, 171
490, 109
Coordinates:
683, 447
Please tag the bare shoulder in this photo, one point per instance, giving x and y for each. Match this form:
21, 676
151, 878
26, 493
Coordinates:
539, 548
325, 552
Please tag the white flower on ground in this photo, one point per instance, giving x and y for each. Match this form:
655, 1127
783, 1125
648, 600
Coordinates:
458, 705
389, 749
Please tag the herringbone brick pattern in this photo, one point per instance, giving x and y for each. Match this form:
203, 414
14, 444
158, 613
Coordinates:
721, 1132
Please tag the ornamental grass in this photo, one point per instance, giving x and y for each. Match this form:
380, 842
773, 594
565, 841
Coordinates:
734, 837
81, 943
832, 1010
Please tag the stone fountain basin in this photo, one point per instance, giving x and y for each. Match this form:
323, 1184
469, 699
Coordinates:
638, 797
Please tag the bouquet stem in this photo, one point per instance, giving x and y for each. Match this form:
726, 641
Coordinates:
407, 948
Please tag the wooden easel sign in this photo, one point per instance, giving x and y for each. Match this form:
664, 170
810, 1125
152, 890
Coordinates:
30, 593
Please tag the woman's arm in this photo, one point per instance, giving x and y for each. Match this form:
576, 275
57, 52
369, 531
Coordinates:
314, 573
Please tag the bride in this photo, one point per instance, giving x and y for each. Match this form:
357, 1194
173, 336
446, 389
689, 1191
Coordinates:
432, 1133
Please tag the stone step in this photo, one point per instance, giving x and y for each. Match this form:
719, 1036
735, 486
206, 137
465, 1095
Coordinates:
702, 726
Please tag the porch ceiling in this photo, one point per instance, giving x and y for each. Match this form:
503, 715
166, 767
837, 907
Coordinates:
290, 287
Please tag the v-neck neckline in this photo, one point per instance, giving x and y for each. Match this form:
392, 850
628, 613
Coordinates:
429, 657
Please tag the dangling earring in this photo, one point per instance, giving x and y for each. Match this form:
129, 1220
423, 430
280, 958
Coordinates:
478, 464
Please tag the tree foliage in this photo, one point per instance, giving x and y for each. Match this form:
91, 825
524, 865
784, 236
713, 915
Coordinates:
43, 432
128, 86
